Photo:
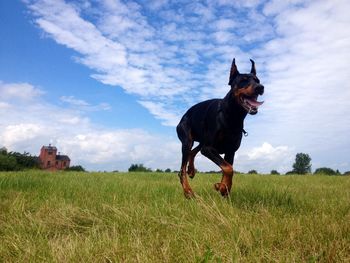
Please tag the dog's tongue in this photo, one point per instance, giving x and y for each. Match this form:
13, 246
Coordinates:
254, 102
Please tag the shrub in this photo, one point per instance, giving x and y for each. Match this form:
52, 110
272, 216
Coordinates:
139, 168
274, 172
325, 170
75, 168
252, 172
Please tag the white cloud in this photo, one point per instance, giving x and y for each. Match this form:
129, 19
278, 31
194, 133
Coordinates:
268, 152
117, 149
127, 50
4, 105
21, 91
69, 29
156, 5
265, 158
275, 7
73, 101
159, 111
13, 134
306, 66
224, 24
83, 105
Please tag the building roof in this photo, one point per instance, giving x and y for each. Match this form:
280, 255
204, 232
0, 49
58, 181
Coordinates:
53, 148
62, 158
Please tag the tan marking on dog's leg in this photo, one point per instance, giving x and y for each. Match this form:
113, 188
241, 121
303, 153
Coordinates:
224, 187
188, 192
191, 170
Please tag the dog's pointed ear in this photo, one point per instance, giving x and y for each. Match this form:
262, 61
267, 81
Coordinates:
253, 70
233, 72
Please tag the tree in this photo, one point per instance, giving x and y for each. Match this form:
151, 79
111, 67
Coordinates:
139, 168
252, 172
14, 161
25, 160
302, 163
8, 163
3, 150
325, 170
167, 170
274, 172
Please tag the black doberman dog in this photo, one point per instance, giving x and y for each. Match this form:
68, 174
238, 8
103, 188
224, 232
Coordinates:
217, 125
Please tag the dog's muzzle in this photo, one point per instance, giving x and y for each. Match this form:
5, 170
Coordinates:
259, 90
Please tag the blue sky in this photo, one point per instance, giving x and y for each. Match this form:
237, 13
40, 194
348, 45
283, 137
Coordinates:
107, 81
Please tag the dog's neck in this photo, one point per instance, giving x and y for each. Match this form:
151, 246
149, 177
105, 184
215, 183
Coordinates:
233, 110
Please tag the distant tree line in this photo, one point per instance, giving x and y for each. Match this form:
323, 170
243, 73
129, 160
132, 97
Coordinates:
141, 168
302, 165
15, 161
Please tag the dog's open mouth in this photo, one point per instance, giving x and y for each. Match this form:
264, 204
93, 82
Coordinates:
250, 103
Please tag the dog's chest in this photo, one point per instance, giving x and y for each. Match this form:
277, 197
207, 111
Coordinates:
227, 141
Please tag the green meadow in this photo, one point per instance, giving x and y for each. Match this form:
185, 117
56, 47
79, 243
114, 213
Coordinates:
144, 217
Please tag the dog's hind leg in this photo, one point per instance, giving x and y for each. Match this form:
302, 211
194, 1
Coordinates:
184, 134
191, 171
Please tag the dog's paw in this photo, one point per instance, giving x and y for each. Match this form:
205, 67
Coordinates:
191, 174
217, 186
189, 194
222, 188
191, 171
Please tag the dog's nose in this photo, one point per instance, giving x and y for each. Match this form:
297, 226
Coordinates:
259, 89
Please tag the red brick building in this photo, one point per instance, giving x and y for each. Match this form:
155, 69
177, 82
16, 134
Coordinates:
50, 160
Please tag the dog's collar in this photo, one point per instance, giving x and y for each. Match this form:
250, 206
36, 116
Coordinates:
244, 132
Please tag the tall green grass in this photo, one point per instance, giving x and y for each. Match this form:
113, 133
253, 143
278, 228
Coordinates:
144, 217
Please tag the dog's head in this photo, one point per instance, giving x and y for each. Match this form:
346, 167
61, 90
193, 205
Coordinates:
246, 88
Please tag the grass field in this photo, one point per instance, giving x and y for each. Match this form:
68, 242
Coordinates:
144, 217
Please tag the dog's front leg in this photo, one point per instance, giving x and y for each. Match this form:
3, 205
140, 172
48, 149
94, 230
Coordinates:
227, 171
